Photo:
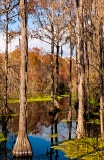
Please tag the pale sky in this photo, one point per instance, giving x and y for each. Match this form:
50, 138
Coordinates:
31, 43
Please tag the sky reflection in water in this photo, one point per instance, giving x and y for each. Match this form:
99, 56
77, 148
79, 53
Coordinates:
41, 143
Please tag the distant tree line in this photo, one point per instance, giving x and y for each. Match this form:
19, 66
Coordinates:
39, 73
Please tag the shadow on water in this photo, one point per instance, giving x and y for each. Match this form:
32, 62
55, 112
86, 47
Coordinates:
44, 132
7, 140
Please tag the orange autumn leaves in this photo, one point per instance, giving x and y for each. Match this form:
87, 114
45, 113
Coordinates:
39, 72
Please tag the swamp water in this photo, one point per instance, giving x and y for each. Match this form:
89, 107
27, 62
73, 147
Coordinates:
39, 127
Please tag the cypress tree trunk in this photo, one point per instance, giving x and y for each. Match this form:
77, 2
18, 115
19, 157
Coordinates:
57, 71
87, 77
52, 62
101, 67
5, 107
86, 58
69, 120
22, 146
52, 59
6, 65
80, 125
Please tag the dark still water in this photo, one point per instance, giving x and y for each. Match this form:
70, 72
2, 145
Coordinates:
40, 126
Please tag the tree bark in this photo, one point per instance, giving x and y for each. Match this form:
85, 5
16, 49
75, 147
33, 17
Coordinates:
22, 146
101, 80
87, 77
69, 123
57, 70
80, 126
6, 64
52, 63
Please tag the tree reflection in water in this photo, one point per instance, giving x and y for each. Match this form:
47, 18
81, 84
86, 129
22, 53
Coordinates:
40, 126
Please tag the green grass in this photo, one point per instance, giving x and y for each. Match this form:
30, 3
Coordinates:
9, 115
37, 99
2, 138
94, 121
93, 102
84, 148
13, 101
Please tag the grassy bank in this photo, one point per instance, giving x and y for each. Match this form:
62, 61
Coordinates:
85, 148
37, 99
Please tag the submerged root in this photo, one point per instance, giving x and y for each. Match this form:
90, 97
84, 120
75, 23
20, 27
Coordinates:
22, 148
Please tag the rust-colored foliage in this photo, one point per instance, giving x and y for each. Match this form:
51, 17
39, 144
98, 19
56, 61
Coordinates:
39, 72
32, 4
15, 54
